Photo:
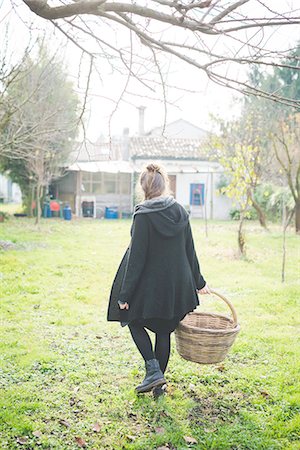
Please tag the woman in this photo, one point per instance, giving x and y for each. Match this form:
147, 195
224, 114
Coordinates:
158, 279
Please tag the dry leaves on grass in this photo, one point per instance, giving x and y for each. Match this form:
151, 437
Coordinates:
22, 440
64, 422
37, 433
130, 437
80, 442
96, 427
167, 446
265, 394
159, 430
190, 440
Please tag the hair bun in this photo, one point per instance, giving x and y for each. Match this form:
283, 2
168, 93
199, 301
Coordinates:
153, 168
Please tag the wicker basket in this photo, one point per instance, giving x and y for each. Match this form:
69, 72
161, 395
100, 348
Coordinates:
206, 338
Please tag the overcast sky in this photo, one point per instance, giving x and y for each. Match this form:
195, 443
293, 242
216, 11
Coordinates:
201, 99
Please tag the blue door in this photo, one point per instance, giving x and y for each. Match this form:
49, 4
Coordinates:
197, 194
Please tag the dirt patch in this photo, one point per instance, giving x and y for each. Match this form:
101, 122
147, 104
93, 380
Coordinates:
7, 245
27, 246
218, 408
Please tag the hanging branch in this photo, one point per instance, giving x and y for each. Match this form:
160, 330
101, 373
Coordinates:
199, 25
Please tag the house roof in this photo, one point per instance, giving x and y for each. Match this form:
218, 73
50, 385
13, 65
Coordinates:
144, 147
179, 129
140, 147
182, 140
98, 151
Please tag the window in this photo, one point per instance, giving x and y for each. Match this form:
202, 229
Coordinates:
109, 183
101, 183
197, 194
125, 183
86, 182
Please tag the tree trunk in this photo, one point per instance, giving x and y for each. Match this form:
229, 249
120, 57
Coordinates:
31, 197
38, 204
285, 222
297, 216
260, 212
241, 236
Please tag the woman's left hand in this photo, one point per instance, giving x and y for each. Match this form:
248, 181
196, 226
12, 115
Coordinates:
204, 290
123, 306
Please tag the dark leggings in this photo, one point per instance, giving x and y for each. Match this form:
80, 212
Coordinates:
143, 342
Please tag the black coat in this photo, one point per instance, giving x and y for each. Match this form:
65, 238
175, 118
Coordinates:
159, 273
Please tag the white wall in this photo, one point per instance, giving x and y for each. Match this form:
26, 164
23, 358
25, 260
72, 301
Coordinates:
183, 182
217, 206
188, 172
9, 191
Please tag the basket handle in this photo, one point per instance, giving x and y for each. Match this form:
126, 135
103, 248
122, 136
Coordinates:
233, 311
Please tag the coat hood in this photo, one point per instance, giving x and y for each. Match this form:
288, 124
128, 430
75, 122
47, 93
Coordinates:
166, 215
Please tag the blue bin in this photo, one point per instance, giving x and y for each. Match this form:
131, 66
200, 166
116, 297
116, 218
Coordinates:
111, 212
67, 212
46, 210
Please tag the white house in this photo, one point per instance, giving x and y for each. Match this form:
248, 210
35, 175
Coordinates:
103, 175
9, 191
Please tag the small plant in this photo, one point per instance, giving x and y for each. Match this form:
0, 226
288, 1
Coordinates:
3, 216
235, 214
222, 184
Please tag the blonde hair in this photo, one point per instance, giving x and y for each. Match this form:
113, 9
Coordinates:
154, 181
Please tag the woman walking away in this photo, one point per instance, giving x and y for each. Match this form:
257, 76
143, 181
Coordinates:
159, 276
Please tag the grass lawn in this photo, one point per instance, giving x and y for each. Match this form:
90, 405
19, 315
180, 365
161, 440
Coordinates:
68, 376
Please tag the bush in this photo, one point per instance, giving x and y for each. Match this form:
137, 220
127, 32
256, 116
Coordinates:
235, 214
271, 198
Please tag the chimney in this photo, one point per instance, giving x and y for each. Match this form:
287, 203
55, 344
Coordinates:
125, 144
141, 120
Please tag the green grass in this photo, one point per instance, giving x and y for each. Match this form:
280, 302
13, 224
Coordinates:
11, 208
63, 368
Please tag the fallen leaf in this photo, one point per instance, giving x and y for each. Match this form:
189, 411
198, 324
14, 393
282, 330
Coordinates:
64, 422
190, 440
265, 394
96, 427
80, 442
164, 414
37, 433
98, 336
159, 430
76, 389
221, 368
164, 447
22, 440
130, 437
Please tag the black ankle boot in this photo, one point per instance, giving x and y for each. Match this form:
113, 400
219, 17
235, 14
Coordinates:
154, 377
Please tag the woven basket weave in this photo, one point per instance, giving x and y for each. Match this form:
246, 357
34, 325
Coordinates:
206, 338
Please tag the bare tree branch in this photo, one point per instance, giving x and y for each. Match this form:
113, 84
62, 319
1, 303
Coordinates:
199, 25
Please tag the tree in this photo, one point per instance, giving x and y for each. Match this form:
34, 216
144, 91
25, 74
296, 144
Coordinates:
239, 148
278, 126
286, 144
11, 71
211, 36
38, 136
